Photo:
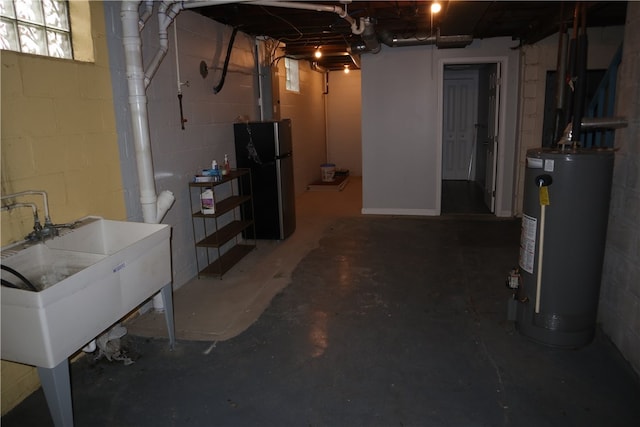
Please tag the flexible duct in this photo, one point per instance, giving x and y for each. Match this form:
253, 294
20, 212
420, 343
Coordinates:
421, 39
369, 37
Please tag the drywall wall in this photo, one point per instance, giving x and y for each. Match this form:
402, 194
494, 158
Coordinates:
402, 124
344, 121
179, 154
307, 114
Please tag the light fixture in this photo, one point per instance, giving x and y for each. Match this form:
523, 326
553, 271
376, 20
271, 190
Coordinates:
318, 54
346, 69
435, 7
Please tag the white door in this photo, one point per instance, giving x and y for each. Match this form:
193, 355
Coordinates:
493, 127
460, 106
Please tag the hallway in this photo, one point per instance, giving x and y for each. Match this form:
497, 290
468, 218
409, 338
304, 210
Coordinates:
387, 321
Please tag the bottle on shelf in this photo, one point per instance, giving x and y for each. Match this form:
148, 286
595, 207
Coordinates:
226, 167
217, 176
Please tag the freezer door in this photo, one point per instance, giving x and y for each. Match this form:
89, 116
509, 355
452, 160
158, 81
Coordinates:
286, 193
265, 148
287, 197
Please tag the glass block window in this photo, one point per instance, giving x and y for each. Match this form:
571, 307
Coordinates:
292, 77
40, 27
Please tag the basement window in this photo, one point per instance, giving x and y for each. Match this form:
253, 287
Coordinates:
292, 76
39, 27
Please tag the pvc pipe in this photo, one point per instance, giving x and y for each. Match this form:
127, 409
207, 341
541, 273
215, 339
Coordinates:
138, 108
167, 11
357, 27
148, 11
153, 209
195, 4
175, 42
260, 84
164, 203
91, 347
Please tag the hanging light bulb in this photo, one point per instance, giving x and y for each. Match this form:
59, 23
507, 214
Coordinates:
346, 69
435, 7
318, 54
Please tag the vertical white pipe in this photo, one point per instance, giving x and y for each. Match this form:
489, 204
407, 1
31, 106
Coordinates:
325, 102
259, 72
175, 43
152, 211
138, 108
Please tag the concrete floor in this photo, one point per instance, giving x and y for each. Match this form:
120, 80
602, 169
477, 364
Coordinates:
386, 322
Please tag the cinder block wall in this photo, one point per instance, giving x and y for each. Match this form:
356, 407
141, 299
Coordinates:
58, 135
620, 294
537, 60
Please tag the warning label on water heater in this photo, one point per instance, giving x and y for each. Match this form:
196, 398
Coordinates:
528, 243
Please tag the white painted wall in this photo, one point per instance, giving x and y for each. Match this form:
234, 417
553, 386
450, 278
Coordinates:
178, 154
307, 114
344, 121
402, 121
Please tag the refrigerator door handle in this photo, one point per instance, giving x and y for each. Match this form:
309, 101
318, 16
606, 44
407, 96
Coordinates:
284, 156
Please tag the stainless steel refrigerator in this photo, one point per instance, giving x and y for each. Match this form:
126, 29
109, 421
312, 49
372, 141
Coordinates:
266, 149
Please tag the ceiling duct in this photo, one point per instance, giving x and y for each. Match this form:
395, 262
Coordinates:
369, 37
391, 40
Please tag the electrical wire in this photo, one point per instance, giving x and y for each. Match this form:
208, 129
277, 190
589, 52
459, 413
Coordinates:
300, 34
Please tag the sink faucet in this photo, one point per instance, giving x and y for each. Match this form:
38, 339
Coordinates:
39, 232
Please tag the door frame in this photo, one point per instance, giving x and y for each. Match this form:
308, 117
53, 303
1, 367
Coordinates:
500, 169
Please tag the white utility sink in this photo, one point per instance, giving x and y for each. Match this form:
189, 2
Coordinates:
90, 277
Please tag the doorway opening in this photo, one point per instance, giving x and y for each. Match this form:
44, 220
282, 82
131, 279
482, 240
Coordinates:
469, 137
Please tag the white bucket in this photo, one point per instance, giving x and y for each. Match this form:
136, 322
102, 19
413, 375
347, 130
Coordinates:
328, 172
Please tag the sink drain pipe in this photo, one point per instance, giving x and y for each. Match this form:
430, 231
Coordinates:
154, 207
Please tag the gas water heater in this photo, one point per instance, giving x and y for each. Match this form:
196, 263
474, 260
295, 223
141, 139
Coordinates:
564, 226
